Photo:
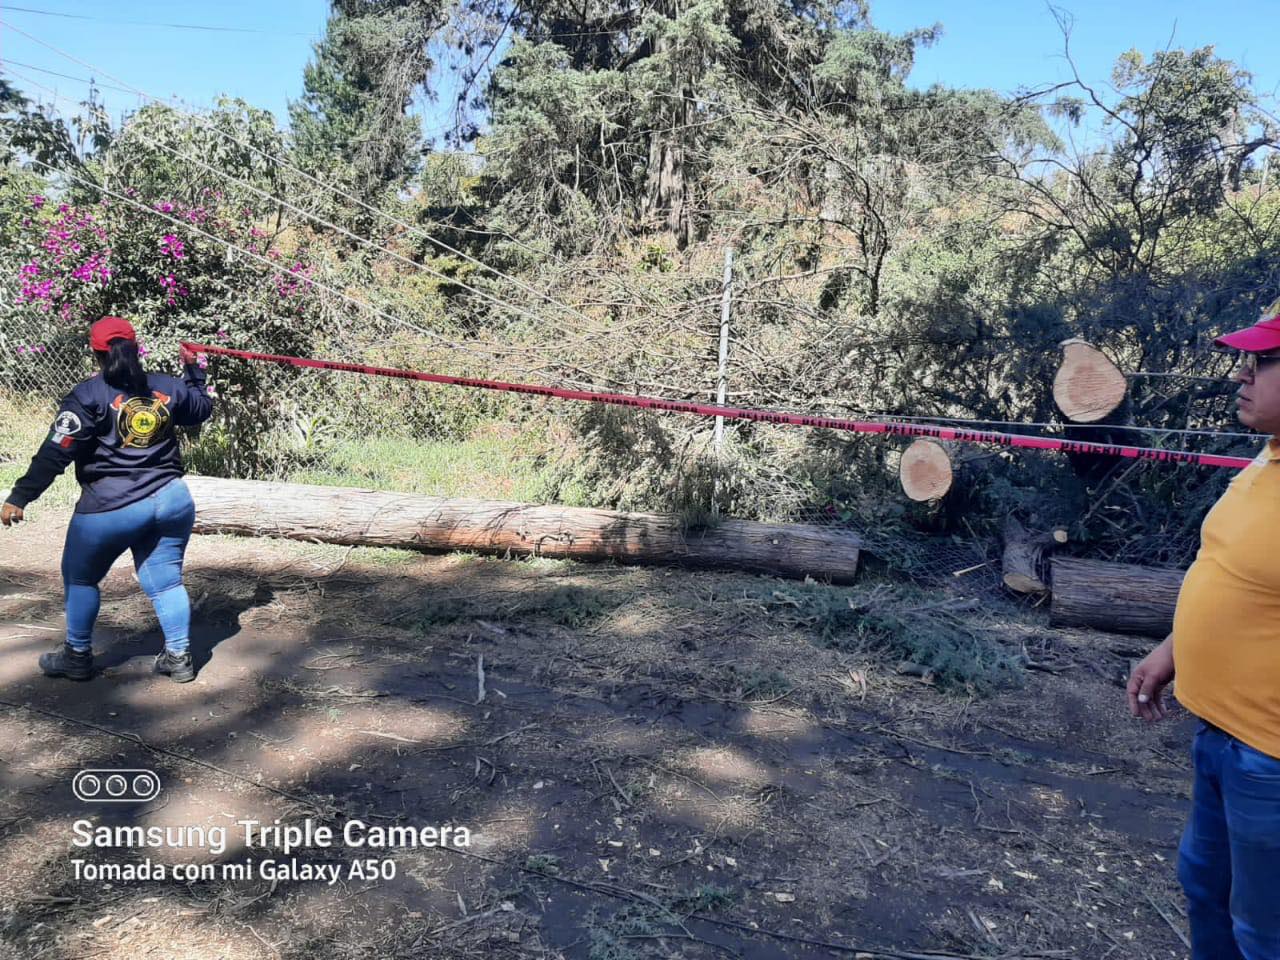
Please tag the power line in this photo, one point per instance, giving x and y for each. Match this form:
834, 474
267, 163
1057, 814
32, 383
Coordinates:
153, 23
285, 164
355, 301
496, 300
64, 76
500, 302
508, 349
481, 348
440, 244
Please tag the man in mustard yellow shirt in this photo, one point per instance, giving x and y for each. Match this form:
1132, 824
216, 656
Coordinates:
1226, 646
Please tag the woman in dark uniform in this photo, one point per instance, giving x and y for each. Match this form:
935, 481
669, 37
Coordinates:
118, 427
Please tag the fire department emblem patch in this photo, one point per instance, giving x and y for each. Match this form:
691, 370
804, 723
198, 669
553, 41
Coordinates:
142, 421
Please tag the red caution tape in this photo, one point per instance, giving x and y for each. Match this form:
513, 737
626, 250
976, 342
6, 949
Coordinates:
892, 428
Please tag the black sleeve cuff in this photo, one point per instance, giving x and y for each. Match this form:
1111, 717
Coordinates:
17, 499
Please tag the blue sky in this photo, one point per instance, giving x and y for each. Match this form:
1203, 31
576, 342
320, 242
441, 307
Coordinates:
1001, 44
1007, 44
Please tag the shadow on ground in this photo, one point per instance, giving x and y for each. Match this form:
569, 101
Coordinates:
654, 769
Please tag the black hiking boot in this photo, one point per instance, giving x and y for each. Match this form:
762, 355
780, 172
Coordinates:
176, 666
67, 662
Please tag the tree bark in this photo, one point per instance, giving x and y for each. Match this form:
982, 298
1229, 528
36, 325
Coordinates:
372, 518
1117, 597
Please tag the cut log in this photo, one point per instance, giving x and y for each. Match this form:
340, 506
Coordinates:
1117, 597
925, 471
1025, 562
379, 519
1088, 386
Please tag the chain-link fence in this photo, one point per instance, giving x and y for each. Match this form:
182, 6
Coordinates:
276, 422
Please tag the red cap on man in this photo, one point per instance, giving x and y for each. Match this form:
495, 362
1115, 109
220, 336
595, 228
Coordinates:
110, 328
1262, 337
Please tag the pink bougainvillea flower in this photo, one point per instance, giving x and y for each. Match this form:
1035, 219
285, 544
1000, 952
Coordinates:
33, 290
37, 201
172, 246
165, 207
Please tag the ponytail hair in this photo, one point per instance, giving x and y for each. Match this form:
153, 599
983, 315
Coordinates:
122, 368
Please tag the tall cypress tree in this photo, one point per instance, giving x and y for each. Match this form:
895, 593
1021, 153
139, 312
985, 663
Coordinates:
353, 120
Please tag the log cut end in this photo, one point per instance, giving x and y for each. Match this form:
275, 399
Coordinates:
1088, 386
925, 471
1024, 583
1025, 554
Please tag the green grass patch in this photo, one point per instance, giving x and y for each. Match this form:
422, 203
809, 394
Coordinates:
24, 425
544, 863
490, 465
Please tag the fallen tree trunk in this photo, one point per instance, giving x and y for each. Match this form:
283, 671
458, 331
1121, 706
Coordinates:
1025, 561
379, 519
1117, 597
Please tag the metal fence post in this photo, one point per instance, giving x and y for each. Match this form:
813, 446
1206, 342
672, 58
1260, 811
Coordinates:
726, 302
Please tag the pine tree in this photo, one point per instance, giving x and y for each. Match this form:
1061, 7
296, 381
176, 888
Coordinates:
353, 120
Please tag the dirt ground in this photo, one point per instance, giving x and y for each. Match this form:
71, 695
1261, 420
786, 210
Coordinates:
660, 766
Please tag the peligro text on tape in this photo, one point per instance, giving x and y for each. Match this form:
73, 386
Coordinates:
889, 427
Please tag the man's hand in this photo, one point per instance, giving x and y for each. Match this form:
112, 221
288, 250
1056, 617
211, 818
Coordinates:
187, 355
1148, 681
9, 514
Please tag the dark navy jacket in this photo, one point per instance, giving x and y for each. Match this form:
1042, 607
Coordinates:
124, 447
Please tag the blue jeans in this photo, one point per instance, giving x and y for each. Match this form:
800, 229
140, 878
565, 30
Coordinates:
1229, 859
156, 529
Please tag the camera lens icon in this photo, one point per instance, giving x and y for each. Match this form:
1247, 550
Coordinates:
115, 786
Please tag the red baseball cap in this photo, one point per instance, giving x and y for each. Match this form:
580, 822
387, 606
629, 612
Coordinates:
1261, 337
110, 328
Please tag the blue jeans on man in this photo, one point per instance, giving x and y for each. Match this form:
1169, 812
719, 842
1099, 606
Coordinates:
156, 529
1229, 859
